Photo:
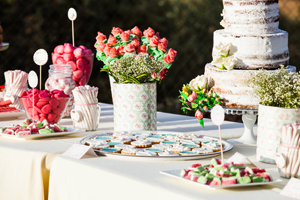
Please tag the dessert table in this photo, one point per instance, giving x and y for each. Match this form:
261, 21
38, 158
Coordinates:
33, 166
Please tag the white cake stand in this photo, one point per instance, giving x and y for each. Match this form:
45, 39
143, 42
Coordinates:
249, 117
4, 46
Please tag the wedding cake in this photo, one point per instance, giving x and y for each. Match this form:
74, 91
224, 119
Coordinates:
250, 40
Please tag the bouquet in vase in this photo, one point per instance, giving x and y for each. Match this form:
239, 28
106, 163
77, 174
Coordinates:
146, 51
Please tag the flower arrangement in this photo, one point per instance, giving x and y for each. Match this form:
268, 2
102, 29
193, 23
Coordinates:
133, 42
226, 59
279, 89
138, 69
196, 97
2, 88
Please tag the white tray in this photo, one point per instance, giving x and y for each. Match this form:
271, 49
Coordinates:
12, 114
227, 147
37, 136
4, 46
176, 174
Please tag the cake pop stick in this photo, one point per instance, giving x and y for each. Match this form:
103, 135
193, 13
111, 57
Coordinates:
33, 81
40, 58
72, 15
217, 117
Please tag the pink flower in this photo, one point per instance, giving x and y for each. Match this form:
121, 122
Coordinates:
129, 48
149, 32
121, 51
100, 46
135, 43
136, 31
100, 37
162, 46
162, 74
168, 59
153, 75
107, 50
172, 53
164, 40
192, 97
125, 36
141, 49
112, 40
113, 52
199, 114
115, 31
154, 41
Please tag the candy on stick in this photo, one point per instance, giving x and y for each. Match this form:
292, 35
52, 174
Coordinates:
33, 81
72, 14
40, 58
217, 117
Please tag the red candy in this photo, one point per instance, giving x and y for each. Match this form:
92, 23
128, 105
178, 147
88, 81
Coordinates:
45, 107
80, 58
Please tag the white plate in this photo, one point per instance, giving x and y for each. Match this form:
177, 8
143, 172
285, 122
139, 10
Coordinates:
227, 147
12, 114
4, 46
176, 174
35, 136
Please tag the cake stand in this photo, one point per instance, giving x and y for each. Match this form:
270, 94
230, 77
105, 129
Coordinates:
4, 46
249, 117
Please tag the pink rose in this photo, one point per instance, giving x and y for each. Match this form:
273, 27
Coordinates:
157, 34
107, 50
164, 40
162, 74
115, 31
172, 53
112, 40
136, 31
128, 32
154, 41
162, 46
192, 97
100, 37
113, 52
153, 75
135, 43
199, 114
129, 48
141, 49
124, 36
100, 46
168, 59
121, 51
149, 32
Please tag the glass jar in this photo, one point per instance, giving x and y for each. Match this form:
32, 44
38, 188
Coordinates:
60, 78
86, 116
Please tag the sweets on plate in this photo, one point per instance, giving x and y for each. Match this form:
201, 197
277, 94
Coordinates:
153, 143
5, 107
47, 105
29, 127
226, 174
80, 58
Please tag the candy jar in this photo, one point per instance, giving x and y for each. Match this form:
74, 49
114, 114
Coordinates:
60, 78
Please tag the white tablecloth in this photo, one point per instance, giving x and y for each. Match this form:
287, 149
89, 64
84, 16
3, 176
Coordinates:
25, 167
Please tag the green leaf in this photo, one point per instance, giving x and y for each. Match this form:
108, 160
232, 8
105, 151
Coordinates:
194, 105
145, 40
201, 122
104, 41
183, 95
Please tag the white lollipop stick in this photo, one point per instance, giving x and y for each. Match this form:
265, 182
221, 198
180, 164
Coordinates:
72, 15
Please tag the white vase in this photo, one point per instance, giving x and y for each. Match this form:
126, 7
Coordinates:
270, 122
134, 107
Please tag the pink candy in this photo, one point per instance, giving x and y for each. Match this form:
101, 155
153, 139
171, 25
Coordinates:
48, 105
80, 58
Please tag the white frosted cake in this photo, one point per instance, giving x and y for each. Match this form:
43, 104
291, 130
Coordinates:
250, 41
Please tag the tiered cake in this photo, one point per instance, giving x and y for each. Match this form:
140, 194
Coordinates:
254, 42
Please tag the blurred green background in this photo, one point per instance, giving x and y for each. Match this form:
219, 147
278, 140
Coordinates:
187, 24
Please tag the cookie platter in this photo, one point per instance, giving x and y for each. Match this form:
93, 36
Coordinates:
155, 145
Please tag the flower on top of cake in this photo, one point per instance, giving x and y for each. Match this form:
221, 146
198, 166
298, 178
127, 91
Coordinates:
195, 97
226, 59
